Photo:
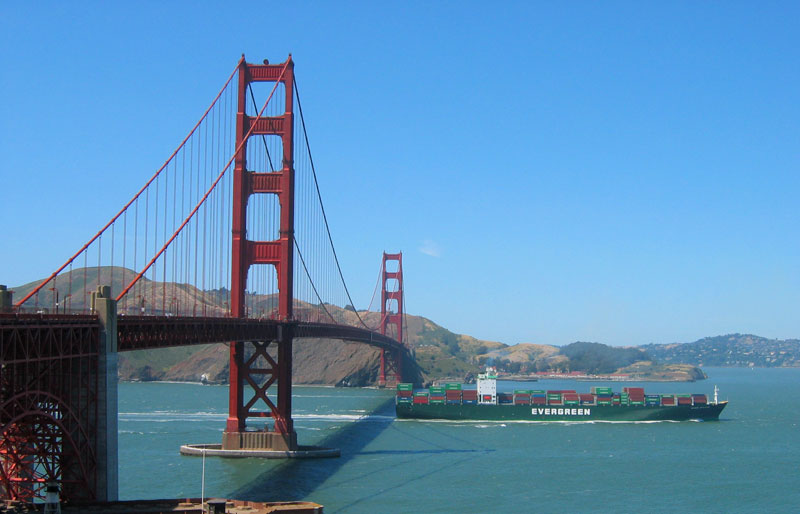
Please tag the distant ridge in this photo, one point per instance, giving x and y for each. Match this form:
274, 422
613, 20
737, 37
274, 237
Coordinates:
731, 350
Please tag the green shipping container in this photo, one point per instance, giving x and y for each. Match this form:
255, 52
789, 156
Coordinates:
405, 387
452, 387
421, 393
522, 391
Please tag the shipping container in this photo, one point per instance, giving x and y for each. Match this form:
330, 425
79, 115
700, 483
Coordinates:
421, 399
421, 393
539, 400
452, 386
405, 387
404, 394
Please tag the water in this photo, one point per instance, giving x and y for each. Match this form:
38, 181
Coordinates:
749, 461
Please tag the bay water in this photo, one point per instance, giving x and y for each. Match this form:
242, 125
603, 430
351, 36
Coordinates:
749, 461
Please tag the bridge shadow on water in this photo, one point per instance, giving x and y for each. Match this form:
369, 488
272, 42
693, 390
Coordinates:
297, 479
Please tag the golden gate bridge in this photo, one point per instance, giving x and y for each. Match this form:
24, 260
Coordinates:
227, 242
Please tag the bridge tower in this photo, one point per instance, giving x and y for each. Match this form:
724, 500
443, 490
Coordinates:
392, 316
279, 253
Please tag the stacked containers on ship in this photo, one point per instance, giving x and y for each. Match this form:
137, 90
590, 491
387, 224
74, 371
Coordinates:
554, 398
668, 400
538, 397
522, 397
469, 396
684, 399
587, 399
624, 399
452, 393
604, 395
404, 393
652, 400
699, 399
437, 396
635, 394
420, 397
505, 398
571, 399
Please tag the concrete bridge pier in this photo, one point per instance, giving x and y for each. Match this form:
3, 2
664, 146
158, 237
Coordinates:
107, 447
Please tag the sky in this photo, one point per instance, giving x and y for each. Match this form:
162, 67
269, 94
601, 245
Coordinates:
552, 172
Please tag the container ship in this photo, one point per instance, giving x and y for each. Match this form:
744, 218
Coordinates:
484, 403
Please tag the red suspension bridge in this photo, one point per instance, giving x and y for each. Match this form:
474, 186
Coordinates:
228, 242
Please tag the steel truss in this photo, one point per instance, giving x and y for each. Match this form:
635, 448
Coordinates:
48, 405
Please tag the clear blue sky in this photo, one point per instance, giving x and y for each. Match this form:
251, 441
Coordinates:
611, 172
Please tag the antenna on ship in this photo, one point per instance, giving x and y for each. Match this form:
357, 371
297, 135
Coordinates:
716, 391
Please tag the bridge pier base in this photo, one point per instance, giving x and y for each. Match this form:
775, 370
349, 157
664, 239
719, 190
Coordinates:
261, 440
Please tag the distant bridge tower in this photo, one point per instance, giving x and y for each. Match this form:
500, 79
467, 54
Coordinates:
278, 253
392, 316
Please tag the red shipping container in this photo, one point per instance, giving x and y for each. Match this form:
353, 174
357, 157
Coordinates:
667, 401
470, 394
539, 401
684, 401
634, 390
586, 397
404, 394
420, 399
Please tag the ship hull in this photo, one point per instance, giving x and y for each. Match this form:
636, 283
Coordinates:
709, 412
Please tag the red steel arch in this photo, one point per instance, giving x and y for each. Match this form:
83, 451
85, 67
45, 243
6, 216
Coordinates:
49, 405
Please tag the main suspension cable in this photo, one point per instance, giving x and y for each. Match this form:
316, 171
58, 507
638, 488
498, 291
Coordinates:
322, 207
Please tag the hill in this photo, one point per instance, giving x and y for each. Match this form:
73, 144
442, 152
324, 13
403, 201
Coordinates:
730, 350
